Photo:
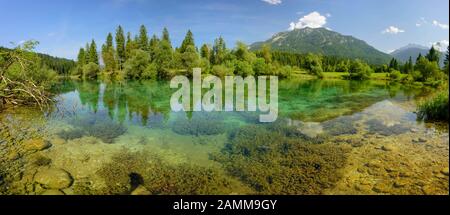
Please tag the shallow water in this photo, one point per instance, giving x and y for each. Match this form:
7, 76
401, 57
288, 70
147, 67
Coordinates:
331, 137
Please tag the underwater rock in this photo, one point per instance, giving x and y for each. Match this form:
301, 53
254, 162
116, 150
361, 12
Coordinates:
53, 193
57, 141
381, 187
53, 178
140, 191
388, 148
445, 171
311, 129
36, 145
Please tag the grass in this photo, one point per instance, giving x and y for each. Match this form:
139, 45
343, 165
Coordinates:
435, 108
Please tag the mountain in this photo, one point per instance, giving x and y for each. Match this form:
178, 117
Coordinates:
326, 42
413, 50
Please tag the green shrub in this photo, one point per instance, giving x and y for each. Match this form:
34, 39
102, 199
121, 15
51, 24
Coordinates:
435, 108
90, 71
359, 70
395, 75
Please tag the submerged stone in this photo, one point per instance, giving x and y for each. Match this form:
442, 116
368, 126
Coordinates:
53, 193
36, 145
53, 178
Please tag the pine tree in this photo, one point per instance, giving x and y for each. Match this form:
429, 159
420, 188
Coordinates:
120, 46
143, 38
165, 35
188, 41
219, 51
409, 65
93, 56
433, 55
419, 57
108, 54
128, 46
87, 49
153, 47
81, 59
205, 52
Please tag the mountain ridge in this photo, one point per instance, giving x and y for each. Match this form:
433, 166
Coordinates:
323, 41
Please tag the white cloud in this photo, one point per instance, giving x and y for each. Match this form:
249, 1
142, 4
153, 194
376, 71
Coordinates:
272, 2
440, 25
392, 30
421, 22
312, 20
328, 14
441, 45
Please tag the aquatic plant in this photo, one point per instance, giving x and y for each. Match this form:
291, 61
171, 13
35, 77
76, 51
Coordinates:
127, 170
377, 126
281, 127
340, 126
274, 164
71, 134
101, 127
199, 124
435, 108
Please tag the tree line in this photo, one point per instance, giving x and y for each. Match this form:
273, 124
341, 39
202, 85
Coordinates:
142, 57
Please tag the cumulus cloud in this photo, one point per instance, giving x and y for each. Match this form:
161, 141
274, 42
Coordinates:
272, 2
392, 30
441, 45
440, 25
312, 20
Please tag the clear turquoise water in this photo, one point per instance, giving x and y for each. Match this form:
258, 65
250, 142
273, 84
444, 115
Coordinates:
103, 132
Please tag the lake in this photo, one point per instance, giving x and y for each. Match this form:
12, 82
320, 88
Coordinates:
331, 137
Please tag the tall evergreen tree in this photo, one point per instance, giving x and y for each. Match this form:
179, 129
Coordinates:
81, 59
108, 54
120, 46
205, 52
153, 47
87, 56
93, 56
109, 41
188, 41
219, 51
128, 46
433, 55
143, 38
165, 36
418, 57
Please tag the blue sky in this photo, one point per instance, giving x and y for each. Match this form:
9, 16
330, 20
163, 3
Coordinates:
62, 27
